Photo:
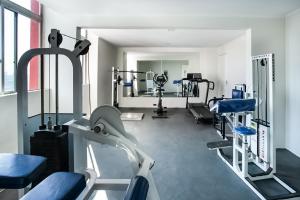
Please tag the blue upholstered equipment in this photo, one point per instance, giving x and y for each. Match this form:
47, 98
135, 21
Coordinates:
127, 84
237, 94
18, 171
177, 81
234, 105
244, 130
138, 189
58, 186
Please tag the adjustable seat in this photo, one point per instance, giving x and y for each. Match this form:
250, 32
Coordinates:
17, 171
244, 130
68, 186
127, 84
58, 186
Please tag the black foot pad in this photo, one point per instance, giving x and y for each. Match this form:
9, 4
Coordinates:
159, 116
219, 144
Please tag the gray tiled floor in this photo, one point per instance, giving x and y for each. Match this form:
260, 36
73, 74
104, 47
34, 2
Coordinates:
185, 169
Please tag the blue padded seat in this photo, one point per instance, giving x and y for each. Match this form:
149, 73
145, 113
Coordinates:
138, 189
58, 186
177, 81
127, 84
234, 105
244, 130
18, 171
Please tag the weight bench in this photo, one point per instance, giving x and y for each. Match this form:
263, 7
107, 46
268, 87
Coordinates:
58, 186
17, 171
232, 106
71, 186
127, 84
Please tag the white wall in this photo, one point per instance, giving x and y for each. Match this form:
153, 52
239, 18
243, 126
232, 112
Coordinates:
8, 119
234, 65
53, 20
270, 38
93, 64
292, 82
66, 26
90, 74
267, 34
107, 58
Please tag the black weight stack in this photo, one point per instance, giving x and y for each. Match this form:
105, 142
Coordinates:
52, 144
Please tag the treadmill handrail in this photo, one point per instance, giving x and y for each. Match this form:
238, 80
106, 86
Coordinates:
200, 81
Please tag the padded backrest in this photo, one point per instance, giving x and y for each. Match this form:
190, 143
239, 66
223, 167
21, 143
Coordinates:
138, 189
234, 105
237, 94
127, 84
58, 186
18, 170
177, 81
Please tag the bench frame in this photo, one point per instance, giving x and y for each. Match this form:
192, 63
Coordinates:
266, 161
107, 118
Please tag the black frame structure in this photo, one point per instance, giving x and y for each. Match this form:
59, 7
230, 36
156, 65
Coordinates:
16, 9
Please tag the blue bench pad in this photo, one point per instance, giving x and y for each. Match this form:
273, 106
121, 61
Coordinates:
235, 105
177, 81
127, 84
243, 130
18, 171
58, 186
138, 189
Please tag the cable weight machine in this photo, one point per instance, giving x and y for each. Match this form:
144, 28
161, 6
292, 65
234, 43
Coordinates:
50, 140
117, 80
253, 156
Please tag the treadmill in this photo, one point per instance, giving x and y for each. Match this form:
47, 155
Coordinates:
200, 111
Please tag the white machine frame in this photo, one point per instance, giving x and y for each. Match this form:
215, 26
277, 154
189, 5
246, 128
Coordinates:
105, 119
105, 127
115, 87
267, 162
149, 82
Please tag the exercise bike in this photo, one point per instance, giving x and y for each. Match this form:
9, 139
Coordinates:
160, 81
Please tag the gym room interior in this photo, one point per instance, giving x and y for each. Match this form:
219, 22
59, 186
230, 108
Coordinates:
149, 100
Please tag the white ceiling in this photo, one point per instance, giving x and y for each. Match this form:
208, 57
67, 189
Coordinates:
224, 8
166, 37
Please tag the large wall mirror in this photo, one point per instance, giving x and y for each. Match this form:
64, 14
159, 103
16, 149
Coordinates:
174, 69
141, 67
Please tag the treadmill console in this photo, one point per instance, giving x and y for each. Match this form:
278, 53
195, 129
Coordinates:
191, 76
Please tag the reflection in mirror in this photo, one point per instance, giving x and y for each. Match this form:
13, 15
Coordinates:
143, 82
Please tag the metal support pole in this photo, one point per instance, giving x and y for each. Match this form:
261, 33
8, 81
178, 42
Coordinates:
56, 90
42, 90
223, 123
15, 48
2, 49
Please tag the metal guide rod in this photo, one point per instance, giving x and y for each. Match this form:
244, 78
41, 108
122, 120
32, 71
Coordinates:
56, 90
258, 108
42, 91
266, 104
54, 40
49, 122
70, 36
